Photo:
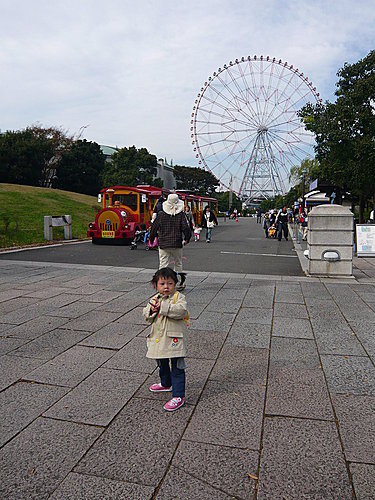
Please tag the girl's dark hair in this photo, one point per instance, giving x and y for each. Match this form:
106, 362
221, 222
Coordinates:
164, 272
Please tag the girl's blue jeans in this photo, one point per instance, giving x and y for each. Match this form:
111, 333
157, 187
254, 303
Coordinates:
174, 377
208, 233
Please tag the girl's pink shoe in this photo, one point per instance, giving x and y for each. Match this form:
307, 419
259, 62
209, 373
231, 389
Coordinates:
159, 388
174, 404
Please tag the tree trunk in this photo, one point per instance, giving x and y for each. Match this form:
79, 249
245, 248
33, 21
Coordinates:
361, 208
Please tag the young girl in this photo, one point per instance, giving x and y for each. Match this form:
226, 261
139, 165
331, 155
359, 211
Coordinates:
197, 230
167, 312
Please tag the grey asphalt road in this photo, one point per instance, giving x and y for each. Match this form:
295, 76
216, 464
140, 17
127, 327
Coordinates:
236, 247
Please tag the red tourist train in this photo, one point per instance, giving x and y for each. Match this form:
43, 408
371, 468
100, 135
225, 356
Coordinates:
127, 209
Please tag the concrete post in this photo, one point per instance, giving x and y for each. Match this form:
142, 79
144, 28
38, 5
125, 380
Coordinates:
330, 241
48, 227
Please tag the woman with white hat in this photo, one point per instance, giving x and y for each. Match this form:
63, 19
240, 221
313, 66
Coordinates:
172, 230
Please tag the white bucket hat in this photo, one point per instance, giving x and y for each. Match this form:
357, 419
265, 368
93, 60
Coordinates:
173, 205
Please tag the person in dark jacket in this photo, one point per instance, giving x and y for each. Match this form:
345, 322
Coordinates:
173, 231
208, 221
282, 222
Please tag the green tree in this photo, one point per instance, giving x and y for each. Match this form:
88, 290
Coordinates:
345, 131
80, 168
131, 166
223, 201
195, 179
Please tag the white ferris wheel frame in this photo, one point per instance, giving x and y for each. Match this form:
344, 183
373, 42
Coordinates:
263, 101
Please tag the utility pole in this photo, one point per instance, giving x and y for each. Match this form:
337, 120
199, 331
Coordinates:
230, 194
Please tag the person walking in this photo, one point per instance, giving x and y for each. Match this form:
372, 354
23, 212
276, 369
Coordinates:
304, 224
259, 215
282, 222
266, 223
208, 221
173, 231
189, 217
167, 313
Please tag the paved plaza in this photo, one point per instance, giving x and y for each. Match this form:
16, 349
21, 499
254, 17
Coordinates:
280, 387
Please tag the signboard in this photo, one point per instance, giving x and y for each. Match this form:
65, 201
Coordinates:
314, 185
108, 234
365, 240
144, 198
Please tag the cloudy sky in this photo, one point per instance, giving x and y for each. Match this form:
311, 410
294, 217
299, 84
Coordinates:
129, 71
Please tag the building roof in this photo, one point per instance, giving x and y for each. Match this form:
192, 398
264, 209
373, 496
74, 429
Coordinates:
108, 150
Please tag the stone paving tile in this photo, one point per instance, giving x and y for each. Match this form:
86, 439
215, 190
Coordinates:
298, 393
231, 294
7, 294
92, 321
349, 374
46, 292
251, 335
195, 310
293, 353
219, 304
289, 297
81, 486
134, 317
180, 484
289, 469
356, 416
16, 304
282, 310
50, 344
53, 303
365, 332
23, 314
221, 467
34, 463
338, 339
292, 327
99, 398
197, 372
102, 296
22, 403
228, 414
264, 301
73, 309
13, 368
363, 480
113, 336
204, 344
9, 344
242, 365
123, 304
71, 367
138, 445
288, 287
5, 327
36, 327
317, 290
210, 320
132, 357
250, 315
122, 286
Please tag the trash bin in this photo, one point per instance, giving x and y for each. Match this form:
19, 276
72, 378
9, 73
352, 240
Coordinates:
330, 241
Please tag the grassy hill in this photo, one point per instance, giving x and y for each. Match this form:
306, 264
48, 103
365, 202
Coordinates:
22, 209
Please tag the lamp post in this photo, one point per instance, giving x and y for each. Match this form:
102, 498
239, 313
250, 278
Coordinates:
303, 188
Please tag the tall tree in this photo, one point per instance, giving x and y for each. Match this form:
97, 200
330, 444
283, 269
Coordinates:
195, 179
80, 168
345, 130
131, 166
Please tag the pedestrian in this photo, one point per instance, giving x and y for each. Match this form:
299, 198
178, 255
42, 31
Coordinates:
158, 207
197, 231
167, 313
259, 215
173, 231
372, 217
189, 217
208, 221
304, 224
282, 223
266, 223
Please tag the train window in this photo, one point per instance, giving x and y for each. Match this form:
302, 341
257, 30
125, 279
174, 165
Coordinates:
129, 200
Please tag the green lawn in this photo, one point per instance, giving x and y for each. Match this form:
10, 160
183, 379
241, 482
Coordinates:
22, 211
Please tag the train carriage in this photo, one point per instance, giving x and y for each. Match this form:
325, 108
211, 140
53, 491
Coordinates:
127, 209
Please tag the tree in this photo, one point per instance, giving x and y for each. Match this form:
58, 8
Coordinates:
223, 201
307, 171
195, 179
131, 166
345, 131
30, 156
80, 168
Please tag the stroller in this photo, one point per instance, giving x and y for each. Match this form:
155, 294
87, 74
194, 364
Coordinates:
272, 231
143, 236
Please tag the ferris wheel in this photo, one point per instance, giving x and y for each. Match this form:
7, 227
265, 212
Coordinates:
245, 128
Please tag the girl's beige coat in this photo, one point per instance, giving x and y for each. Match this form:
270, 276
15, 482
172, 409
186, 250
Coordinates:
166, 339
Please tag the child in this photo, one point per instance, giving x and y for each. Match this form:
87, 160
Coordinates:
167, 311
197, 230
